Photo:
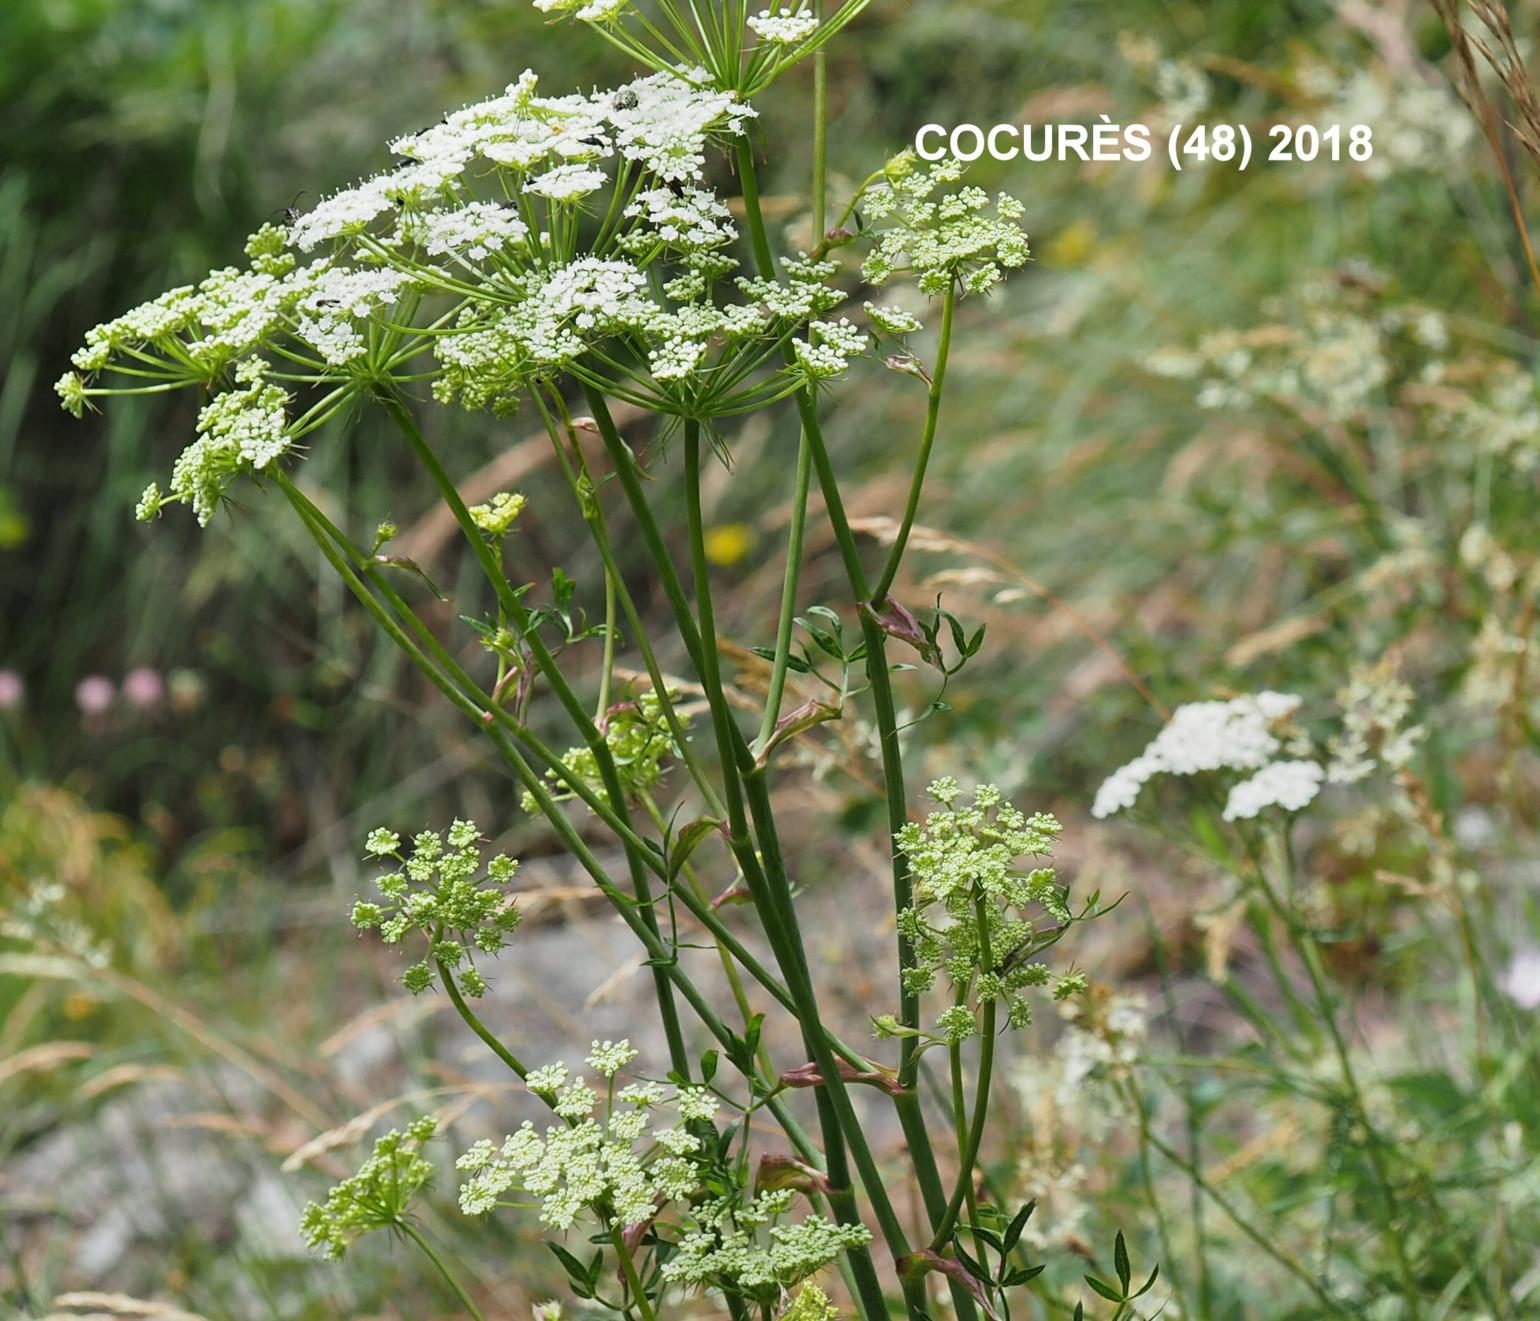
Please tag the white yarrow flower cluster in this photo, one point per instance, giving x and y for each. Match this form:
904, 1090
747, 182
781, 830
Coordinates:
1291, 785
1241, 734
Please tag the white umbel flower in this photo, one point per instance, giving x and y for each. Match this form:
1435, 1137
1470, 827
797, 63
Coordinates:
474, 231
893, 320
567, 183
784, 27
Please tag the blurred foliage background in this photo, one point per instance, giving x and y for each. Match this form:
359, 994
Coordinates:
195, 732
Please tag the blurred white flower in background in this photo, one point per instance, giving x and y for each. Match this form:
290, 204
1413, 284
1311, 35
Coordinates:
1521, 982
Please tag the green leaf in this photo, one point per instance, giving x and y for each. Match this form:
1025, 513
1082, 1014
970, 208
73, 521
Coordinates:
988, 1235
576, 1271
972, 1267
1105, 1290
1014, 1229
1149, 1283
1120, 1261
688, 841
793, 663
409, 566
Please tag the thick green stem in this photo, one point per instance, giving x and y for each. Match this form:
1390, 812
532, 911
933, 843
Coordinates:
508, 599
910, 1109
772, 912
633, 1280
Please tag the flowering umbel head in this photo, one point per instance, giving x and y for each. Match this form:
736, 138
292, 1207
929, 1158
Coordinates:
618, 1157
940, 234
441, 890
753, 1250
969, 920
467, 265
377, 1197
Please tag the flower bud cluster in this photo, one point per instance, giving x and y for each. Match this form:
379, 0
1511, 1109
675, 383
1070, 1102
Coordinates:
941, 237
440, 890
376, 1197
640, 741
744, 1249
967, 921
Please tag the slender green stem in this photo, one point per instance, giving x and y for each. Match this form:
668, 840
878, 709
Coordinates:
775, 914
908, 1104
476, 1025
724, 954
1152, 1199
793, 572
625, 908
1267, 1242
410, 1231
876, 658
959, 1098
605, 676
748, 181
969, 1156
820, 136
927, 441
471, 691
1190, 1114
1305, 947
831, 1098
732, 749
633, 1280
584, 491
